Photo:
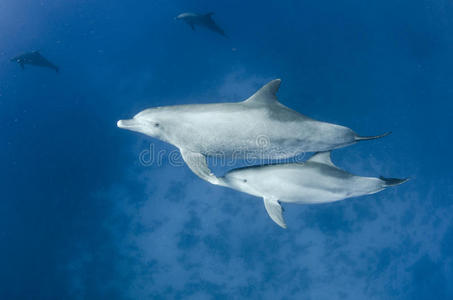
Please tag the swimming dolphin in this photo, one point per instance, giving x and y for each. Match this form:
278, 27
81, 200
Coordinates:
317, 180
205, 20
259, 127
34, 58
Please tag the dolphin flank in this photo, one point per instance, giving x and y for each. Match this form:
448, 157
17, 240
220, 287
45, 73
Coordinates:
259, 127
317, 180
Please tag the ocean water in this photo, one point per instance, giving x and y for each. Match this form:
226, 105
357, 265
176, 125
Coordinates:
83, 217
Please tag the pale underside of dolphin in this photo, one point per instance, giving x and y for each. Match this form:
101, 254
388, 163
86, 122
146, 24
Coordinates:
259, 127
315, 181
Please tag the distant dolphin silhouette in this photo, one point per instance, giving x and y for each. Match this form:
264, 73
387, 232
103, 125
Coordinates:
259, 127
34, 58
317, 180
205, 20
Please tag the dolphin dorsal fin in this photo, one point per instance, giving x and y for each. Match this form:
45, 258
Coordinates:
265, 95
322, 158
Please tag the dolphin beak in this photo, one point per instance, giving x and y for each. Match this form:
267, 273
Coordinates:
127, 124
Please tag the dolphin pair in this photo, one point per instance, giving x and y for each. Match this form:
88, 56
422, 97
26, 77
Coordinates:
205, 20
259, 127
34, 58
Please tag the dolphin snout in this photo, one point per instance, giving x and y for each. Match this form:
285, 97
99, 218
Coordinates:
126, 124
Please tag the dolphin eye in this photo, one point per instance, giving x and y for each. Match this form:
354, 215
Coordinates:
156, 124
244, 180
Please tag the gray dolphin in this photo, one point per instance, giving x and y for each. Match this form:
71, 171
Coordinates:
317, 180
34, 58
205, 20
259, 127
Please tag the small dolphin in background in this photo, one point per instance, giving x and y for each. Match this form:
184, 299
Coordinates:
317, 180
259, 127
205, 20
35, 59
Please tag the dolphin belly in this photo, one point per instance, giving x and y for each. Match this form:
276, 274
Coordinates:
315, 188
306, 188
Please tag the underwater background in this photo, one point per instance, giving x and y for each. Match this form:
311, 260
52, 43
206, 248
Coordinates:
82, 217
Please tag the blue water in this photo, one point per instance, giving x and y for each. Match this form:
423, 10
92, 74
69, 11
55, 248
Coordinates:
82, 218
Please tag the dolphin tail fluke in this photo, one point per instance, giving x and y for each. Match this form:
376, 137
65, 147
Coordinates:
222, 33
366, 138
393, 181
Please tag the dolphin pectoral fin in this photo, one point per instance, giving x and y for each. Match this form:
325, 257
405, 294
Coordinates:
275, 211
197, 163
192, 26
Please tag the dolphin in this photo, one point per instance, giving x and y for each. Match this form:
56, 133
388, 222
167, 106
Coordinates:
317, 180
259, 127
34, 58
205, 20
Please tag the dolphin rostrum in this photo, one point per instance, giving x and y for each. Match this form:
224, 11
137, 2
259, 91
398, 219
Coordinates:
259, 127
205, 20
317, 180
34, 58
